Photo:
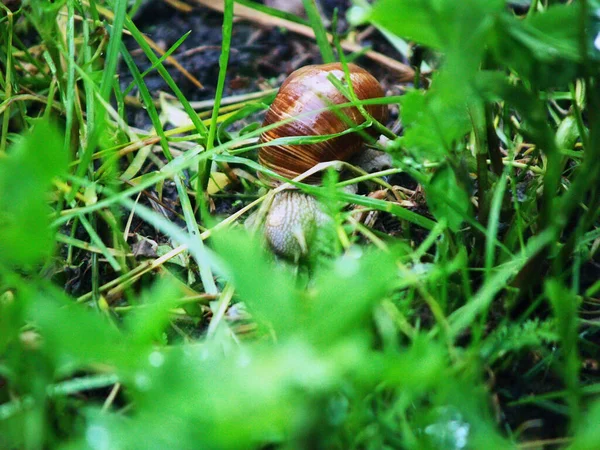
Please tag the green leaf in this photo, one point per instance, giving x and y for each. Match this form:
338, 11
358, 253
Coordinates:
565, 306
344, 296
587, 436
530, 107
567, 133
545, 48
339, 300
439, 24
25, 176
433, 124
412, 19
75, 337
555, 32
268, 289
148, 321
448, 198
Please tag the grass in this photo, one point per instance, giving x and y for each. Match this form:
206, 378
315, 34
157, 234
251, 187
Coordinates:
461, 313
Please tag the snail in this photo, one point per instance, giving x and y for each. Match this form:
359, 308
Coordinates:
293, 216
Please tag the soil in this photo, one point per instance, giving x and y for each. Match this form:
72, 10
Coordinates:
260, 58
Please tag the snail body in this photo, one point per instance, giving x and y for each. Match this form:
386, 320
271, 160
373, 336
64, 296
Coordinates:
306, 94
292, 223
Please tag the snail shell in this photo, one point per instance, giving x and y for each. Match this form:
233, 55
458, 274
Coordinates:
308, 89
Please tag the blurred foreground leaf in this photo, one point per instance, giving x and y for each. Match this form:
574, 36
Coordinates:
448, 198
25, 176
336, 302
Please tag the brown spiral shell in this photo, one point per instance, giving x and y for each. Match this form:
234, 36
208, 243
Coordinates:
308, 89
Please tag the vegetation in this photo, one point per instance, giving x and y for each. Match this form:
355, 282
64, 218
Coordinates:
129, 321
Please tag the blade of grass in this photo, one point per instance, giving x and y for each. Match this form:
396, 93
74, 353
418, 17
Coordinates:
139, 38
564, 305
174, 62
78, 243
204, 166
273, 12
7, 79
97, 241
320, 34
160, 60
110, 66
490, 248
71, 91
114, 44
349, 93
192, 226
493, 224
464, 316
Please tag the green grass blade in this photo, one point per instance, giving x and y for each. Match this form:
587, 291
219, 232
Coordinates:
320, 34
204, 166
114, 44
97, 241
8, 37
160, 60
273, 12
188, 212
493, 223
138, 36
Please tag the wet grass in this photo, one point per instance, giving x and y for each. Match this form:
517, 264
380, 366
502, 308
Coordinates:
450, 302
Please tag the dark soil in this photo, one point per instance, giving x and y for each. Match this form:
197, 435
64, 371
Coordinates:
260, 58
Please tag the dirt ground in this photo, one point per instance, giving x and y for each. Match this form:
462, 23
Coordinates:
260, 58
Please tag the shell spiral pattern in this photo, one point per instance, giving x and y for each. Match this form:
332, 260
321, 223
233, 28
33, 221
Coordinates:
308, 89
